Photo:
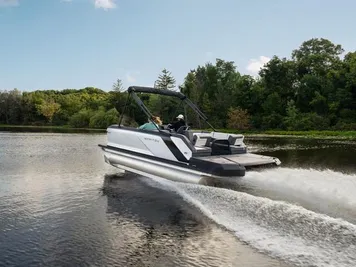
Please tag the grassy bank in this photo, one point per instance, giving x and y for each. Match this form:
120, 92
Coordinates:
277, 133
310, 134
49, 128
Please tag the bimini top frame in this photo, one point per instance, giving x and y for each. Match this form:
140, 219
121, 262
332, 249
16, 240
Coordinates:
150, 90
132, 90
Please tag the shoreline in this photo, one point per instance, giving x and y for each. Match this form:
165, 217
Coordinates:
49, 128
326, 134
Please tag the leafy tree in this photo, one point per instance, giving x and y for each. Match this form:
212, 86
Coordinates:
102, 119
273, 104
316, 56
10, 106
349, 76
238, 119
111, 117
319, 103
292, 115
312, 121
48, 109
313, 89
81, 119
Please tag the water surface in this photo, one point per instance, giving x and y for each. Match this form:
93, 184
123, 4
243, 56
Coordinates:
61, 205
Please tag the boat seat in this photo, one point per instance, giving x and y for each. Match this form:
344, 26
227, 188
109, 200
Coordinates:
232, 139
202, 139
185, 140
182, 129
189, 134
202, 143
236, 140
202, 152
220, 147
237, 149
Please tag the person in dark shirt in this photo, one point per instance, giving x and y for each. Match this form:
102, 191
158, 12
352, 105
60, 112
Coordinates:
179, 123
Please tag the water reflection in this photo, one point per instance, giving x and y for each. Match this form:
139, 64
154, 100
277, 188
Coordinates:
159, 229
318, 154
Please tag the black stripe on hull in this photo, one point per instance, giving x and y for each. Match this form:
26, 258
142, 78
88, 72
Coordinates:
174, 149
173, 162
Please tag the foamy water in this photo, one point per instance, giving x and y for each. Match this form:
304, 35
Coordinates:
283, 229
325, 191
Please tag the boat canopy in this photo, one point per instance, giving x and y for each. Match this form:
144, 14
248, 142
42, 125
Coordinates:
132, 90
151, 90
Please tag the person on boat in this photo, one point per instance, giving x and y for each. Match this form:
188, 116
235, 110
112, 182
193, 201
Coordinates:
152, 125
179, 123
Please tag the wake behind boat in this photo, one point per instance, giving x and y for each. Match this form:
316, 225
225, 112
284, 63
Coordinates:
184, 155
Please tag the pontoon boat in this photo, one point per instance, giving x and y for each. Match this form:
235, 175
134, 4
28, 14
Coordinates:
184, 155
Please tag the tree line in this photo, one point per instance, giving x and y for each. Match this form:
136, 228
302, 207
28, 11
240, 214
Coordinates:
315, 89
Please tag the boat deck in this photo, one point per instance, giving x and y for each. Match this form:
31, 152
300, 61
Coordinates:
246, 159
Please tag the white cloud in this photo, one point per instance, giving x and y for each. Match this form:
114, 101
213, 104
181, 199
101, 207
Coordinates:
130, 78
4, 3
255, 65
105, 4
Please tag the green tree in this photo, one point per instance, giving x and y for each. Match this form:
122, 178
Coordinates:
292, 115
48, 109
314, 89
81, 119
165, 80
317, 56
102, 119
118, 86
10, 106
238, 119
211, 86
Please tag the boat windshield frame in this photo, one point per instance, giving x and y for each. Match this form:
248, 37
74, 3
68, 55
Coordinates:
132, 90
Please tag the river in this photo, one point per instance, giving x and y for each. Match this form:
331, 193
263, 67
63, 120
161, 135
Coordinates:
61, 205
